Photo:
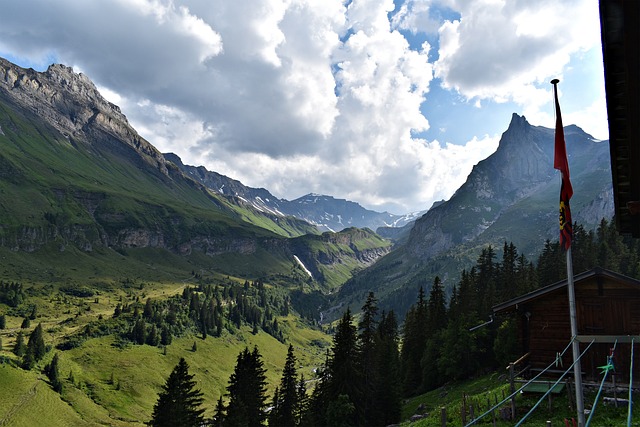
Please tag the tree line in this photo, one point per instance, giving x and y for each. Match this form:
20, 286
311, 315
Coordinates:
358, 384
443, 340
368, 371
206, 310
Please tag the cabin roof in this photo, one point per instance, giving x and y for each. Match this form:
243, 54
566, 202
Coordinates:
620, 32
577, 279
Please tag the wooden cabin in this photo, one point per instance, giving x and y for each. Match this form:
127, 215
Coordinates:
607, 310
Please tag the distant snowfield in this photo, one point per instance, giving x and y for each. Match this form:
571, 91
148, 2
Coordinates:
303, 266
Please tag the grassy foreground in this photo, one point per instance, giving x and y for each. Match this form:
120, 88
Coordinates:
484, 392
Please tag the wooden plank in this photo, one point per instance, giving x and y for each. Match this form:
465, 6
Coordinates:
610, 339
543, 387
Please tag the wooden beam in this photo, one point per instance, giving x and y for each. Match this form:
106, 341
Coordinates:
610, 339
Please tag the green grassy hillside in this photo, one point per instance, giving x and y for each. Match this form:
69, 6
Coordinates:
107, 381
59, 186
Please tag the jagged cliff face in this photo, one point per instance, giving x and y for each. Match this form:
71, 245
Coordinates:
75, 154
517, 188
71, 103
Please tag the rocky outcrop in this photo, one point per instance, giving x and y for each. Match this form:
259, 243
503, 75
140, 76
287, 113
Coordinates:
506, 190
72, 104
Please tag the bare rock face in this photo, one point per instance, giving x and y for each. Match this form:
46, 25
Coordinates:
72, 104
517, 188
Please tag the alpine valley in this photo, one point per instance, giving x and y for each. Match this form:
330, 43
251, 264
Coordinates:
98, 228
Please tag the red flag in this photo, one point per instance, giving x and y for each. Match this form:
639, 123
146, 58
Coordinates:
561, 163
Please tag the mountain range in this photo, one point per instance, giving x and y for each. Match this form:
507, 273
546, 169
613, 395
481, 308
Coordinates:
103, 236
512, 196
325, 212
74, 175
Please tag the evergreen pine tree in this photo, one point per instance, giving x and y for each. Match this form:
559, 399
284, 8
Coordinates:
247, 388
274, 414
139, 332
165, 336
153, 339
584, 249
339, 412
303, 401
52, 370
3, 321
286, 405
218, 414
315, 414
344, 375
388, 397
485, 290
436, 307
26, 323
413, 345
551, 264
507, 287
35, 348
526, 277
19, 348
147, 313
367, 355
178, 403
436, 322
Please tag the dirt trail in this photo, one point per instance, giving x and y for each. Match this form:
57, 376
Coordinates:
26, 398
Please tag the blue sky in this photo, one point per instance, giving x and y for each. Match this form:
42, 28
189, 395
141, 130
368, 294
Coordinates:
389, 103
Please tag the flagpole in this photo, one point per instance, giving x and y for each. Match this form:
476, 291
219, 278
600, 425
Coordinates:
563, 165
577, 368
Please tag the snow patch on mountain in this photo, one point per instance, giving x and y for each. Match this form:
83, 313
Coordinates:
302, 265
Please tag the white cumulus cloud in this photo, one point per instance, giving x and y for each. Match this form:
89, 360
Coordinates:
301, 96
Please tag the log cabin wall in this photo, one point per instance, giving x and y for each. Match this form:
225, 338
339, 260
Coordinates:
608, 307
606, 304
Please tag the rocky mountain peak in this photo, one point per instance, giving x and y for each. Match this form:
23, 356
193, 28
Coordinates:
72, 104
58, 86
517, 121
81, 85
514, 177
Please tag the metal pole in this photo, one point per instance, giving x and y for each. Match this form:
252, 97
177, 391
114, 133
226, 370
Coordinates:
577, 368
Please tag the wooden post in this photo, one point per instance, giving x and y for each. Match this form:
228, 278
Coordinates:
443, 416
615, 392
512, 389
493, 415
570, 394
550, 393
464, 409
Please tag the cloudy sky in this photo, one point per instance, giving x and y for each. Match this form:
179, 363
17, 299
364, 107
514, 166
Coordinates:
389, 103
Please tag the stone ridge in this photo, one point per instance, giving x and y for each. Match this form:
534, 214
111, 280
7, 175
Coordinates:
521, 167
72, 104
